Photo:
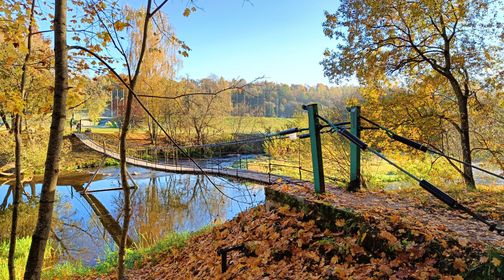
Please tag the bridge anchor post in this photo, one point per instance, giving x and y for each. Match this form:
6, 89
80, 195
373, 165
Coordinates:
316, 148
355, 157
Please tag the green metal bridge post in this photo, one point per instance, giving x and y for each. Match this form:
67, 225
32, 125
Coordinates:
355, 157
316, 149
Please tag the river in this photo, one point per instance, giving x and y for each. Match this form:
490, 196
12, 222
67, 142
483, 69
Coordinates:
86, 225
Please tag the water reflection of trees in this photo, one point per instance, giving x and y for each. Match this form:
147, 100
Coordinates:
61, 237
84, 226
174, 203
108, 222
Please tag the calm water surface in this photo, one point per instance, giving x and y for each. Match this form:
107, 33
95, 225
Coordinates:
87, 225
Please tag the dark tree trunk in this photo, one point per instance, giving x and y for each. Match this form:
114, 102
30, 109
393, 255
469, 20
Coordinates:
4, 120
465, 141
125, 186
15, 199
43, 227
122, 147
17, 138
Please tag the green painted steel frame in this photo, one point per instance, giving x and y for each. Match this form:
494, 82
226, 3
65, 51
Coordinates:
355, 153
316, 148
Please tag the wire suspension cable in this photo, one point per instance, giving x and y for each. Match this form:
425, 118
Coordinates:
425, 148
177, 146
436, 192
152, 116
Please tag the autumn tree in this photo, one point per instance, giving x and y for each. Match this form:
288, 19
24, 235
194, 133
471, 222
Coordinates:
200, 112
117, 27
28, 17
133, 61
388, 41
90, 95
24, 61
158, 68
47, 196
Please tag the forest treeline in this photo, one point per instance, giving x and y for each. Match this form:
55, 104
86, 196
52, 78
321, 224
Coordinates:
192, 109
282, 100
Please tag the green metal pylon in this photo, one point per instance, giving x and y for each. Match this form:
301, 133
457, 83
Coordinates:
316, 149
355, 158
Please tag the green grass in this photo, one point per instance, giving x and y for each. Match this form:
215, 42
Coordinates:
134, 257
66, 270
231, 124
234, 124
105, 130
22, 250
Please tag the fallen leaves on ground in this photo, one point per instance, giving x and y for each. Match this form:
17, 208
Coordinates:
283, 243
419, 206
384, 236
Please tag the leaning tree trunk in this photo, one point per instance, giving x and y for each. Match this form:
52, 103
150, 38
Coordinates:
43, 227
3, 117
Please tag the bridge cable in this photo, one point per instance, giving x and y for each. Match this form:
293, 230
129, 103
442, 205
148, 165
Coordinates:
179, 148
130, 90
436, 192
424, 148
274, 136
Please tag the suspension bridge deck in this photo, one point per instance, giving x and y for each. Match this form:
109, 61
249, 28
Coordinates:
247, 175
462, 225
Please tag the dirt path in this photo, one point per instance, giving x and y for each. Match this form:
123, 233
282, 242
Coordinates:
430, 212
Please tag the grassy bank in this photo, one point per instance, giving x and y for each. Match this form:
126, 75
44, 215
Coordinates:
135, 258
376, 173
22, 250
227, 125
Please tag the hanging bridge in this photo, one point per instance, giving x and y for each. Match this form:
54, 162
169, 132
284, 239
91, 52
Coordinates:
217, 170
317, 126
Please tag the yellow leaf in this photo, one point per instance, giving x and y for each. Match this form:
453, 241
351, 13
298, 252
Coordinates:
463, 241
395, 219
459, 264
340, 223
187, 12
119, 25
496, 262
363, 236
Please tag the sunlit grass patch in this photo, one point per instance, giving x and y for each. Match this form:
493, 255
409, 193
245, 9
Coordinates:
20, 257
134, 257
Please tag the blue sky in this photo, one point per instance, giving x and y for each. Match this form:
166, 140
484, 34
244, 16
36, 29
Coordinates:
279, 39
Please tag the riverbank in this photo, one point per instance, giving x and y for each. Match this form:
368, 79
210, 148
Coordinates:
74, 156
282, 242
166, 207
